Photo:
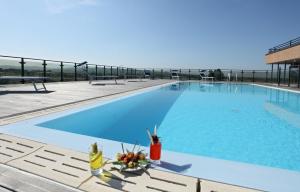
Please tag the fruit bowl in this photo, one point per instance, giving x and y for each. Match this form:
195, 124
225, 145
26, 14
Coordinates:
131, 162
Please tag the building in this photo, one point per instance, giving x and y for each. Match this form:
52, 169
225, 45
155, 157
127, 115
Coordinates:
282, 56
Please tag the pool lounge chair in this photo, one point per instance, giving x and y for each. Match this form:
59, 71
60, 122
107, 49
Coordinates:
147, 74
32, 79
205, 77
93, 78
174, 75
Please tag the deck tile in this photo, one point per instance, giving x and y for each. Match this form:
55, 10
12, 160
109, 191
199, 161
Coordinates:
14, 147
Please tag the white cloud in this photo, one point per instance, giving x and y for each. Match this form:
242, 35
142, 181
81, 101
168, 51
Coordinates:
59, 6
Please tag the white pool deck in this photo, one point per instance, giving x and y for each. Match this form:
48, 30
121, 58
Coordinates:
16, 99
235, 173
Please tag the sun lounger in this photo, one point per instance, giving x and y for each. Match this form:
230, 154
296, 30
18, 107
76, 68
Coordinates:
32, 79
205, 77
145, 75
174, 74
92, 78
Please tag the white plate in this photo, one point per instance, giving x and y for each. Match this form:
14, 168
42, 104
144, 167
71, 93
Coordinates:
138, 168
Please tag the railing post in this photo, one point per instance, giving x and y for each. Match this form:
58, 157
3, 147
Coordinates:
22, 69
161, 73
135, 72
279, 74
298, 76
289, 80
104, 70
126, 72
267, 76
87, 71
118, 71
284, 74
111, 71
96, 72
253, 72
242, 78
75, 72
61, 71
44, 69
189, 74
272, 73
153, 74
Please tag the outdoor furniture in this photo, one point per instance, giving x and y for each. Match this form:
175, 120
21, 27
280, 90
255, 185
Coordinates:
175, 75
145, 75
205, 77
33, 79
93, 78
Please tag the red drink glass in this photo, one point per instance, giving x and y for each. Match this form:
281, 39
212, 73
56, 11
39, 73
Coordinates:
155, 151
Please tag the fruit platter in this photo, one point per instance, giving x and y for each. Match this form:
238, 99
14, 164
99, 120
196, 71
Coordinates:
131, 161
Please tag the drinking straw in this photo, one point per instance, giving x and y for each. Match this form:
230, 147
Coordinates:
155, 130
138, 148
122, 148
150, 137
134, 146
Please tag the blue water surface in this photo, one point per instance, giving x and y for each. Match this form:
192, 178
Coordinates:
237, 122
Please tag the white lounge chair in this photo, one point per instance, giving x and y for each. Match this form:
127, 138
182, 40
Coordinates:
93, 78
205, 76
147, 74
34, 80
175, 75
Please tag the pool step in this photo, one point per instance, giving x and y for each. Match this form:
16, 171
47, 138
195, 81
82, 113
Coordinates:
12, 147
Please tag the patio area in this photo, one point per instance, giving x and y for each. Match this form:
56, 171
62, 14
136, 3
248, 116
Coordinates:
40, 167
18, 100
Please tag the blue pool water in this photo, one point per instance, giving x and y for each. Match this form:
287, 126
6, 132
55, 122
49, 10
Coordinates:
237, 122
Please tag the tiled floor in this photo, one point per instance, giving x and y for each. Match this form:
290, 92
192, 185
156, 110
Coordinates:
16, 99
71, 168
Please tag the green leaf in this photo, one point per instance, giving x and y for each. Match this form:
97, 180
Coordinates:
117, 163
143, 162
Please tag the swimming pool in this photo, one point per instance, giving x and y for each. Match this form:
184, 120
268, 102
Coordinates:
237, 122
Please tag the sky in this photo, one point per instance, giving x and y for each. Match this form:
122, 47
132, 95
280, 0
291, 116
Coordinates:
227, 34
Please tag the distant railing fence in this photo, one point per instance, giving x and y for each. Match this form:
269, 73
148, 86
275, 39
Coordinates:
72, 71
291, 43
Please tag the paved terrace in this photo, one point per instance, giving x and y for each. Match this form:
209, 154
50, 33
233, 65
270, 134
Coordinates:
19, 99
29, 166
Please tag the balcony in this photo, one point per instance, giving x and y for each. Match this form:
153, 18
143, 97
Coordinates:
286, 53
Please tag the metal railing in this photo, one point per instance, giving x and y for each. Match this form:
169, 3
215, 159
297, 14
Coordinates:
285, 45
70, 71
